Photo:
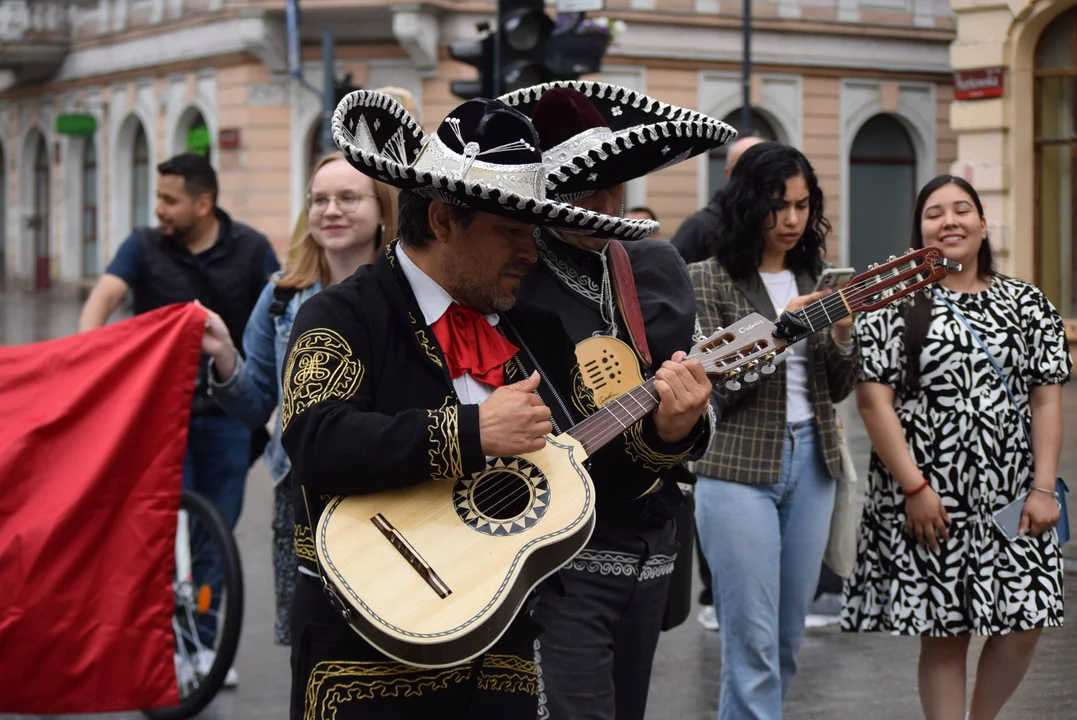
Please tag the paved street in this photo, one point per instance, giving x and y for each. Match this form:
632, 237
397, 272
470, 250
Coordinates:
842, 677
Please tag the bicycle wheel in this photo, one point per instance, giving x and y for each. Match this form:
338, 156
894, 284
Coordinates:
209, 606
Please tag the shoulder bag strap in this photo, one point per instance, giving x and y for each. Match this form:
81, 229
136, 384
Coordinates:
624, 287
976, 336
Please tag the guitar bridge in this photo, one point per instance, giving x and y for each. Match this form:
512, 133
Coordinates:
411, 555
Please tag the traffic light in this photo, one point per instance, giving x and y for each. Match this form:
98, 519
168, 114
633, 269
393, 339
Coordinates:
527, 49
479, 55
523, 32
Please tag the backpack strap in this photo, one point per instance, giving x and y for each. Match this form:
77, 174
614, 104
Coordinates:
281, 297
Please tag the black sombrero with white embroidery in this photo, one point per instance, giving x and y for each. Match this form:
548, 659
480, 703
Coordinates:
630, 135
485, 155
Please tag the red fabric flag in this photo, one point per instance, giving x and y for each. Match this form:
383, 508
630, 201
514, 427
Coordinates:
93, 431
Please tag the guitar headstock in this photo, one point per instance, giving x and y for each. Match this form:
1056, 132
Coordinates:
742, 351
753, 345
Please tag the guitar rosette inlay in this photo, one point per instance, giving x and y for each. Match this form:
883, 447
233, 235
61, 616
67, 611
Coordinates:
506, 498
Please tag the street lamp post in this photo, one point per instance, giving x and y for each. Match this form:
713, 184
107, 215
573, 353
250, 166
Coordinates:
746, 72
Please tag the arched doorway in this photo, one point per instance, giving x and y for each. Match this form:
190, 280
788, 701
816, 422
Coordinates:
1056, 162
882, 191
38, 222
140, 180
89, 209
716, 166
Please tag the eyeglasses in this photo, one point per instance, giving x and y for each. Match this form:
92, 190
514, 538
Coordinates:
346, 202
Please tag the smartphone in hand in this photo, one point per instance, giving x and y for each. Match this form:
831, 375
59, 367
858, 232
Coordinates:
834, 278
1008, 519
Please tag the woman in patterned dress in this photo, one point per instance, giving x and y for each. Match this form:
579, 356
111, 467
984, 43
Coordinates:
948, 452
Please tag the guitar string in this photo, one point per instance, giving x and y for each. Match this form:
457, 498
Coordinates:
854, 293
595, 430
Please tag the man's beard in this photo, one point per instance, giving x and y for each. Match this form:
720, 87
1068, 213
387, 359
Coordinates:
485, 295
179, 235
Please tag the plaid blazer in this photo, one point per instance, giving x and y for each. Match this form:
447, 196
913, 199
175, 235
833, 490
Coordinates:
747, 444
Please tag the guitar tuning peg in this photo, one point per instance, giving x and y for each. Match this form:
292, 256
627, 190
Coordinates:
732, 385
751, 376
767, 369
892, 258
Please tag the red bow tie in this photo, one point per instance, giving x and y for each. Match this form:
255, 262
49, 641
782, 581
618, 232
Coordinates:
471, 345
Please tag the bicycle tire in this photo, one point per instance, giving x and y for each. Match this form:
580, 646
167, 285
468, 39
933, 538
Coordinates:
232, 582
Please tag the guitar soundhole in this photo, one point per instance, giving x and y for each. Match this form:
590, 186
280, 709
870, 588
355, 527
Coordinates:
501, 495
506, 498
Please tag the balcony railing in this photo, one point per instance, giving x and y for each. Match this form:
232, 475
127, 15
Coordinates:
24, 21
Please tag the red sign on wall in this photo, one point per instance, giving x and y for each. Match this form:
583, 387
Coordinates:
978, 84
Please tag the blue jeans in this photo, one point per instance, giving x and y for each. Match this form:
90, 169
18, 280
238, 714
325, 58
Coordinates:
216, 464
765, 546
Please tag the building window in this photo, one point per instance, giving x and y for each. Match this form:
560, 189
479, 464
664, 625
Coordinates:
89, 210
1056, 169
39, 223
140, 180
716, 167
882, 191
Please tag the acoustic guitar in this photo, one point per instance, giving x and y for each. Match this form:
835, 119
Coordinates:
433, 575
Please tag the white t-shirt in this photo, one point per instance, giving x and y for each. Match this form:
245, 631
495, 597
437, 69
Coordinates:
782, 287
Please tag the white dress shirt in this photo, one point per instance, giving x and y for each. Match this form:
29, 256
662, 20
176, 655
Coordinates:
433, 302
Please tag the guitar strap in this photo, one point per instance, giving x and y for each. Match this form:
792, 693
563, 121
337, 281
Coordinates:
624, 288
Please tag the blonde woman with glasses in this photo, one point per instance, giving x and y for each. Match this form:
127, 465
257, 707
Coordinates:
348, 219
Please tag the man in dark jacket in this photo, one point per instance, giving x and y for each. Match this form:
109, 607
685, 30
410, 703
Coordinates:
197, 252
599, 634
690, 240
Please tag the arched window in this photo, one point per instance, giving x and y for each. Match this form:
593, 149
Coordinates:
882, 191
89, 209
140, 180
39, 222
760, 127
1056, 162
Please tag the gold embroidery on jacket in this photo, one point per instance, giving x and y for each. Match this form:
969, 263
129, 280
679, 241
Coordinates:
644, 454
424, 342
508, 673
304, 543
332, 684
446, 461
320, 366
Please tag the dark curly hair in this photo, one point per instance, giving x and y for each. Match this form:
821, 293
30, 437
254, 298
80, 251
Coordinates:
918, 315
749, 203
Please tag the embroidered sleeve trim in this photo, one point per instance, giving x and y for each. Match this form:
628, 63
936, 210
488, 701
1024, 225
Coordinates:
446, 460
321, 366
644, 454
303, 539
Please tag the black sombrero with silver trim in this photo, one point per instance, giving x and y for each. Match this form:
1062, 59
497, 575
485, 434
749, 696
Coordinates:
485, 155
639, 135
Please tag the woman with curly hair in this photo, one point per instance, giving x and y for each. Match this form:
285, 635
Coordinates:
765, 488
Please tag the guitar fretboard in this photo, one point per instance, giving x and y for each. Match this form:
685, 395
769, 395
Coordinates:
615, 417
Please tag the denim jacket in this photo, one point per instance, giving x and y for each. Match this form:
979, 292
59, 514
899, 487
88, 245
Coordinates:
254, 390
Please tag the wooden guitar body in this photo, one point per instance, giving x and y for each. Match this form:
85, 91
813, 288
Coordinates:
433, 575
610, 367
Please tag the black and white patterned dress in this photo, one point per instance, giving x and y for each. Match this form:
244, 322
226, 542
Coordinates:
966, 437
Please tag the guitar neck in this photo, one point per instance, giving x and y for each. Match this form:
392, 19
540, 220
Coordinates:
615, 417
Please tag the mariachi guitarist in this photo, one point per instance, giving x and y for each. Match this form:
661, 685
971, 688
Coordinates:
421, 365
602, 621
